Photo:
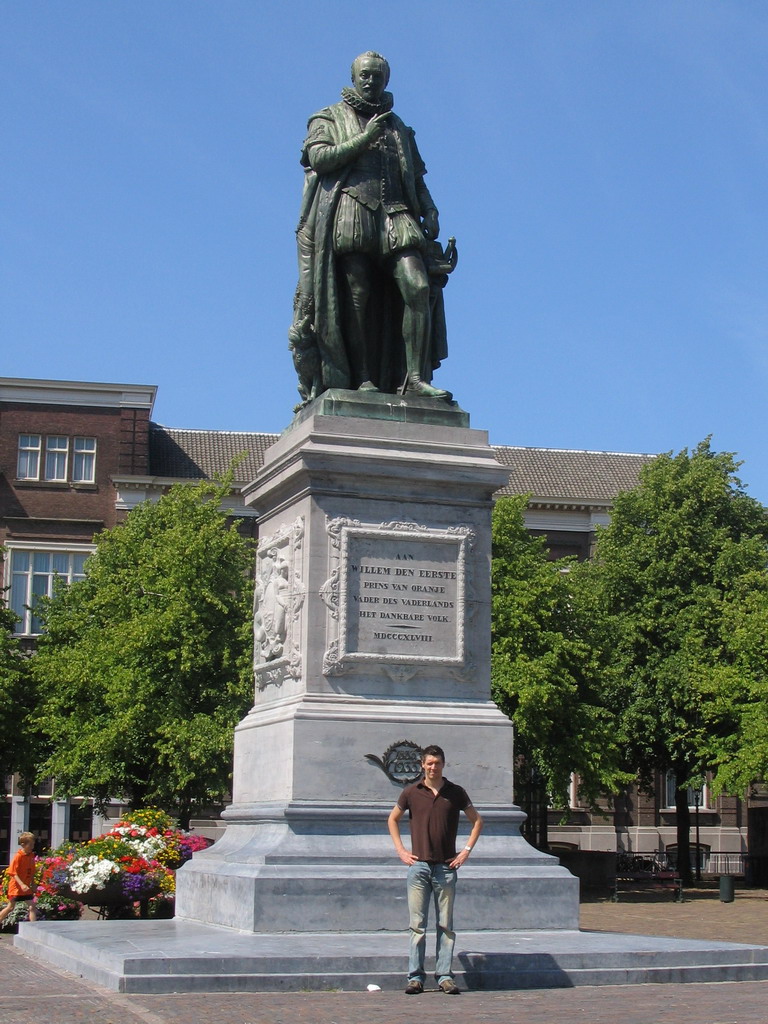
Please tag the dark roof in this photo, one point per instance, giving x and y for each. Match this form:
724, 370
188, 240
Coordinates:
549, 474
203, 454
564, 475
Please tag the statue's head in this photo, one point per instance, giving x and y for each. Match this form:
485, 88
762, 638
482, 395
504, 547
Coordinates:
370, 75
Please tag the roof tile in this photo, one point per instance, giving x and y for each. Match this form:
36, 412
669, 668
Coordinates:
204, 454
570, 475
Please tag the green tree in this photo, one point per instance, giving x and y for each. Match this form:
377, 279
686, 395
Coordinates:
549, 671
735, 689
682, 552
17, 739
145, 665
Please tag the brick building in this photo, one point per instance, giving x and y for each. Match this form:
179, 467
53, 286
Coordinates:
75, 457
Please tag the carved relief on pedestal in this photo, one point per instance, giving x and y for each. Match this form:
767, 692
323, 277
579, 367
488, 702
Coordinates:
399, 597
277, 604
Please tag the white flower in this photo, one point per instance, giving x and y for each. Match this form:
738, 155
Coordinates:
145, 846
90, 873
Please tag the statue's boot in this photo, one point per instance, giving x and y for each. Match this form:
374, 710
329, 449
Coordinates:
368, 385
415, 336
417, 386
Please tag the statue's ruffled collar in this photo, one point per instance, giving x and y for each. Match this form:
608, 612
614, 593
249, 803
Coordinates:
356, 101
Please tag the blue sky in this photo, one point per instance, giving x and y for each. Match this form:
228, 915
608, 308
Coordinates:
602, 163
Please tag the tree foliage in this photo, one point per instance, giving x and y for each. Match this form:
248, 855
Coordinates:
145, 665
16, 699
735, 689
549, 664
678, 573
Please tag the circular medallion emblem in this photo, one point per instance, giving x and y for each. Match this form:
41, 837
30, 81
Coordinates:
401, 762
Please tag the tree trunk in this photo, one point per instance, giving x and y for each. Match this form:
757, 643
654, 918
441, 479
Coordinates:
683, 816
138, 799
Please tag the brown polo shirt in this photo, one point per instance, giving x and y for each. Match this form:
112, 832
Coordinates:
434, 820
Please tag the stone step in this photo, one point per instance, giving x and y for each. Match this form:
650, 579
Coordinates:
179, 956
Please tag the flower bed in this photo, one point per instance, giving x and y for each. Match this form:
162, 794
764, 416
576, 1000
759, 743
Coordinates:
135, 862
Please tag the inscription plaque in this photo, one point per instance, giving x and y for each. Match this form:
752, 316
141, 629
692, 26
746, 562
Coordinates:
400, 592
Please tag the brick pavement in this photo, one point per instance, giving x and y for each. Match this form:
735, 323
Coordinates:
31, 993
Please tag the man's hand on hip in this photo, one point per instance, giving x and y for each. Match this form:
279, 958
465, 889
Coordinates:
459, 859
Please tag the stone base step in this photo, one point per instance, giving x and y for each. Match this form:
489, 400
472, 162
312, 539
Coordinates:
180, 956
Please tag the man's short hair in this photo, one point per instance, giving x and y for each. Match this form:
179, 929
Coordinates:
375, 56
432, 751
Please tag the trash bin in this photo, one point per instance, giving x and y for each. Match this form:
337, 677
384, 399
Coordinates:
726, 888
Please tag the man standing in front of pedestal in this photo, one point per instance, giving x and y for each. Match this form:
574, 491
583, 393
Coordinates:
433, 805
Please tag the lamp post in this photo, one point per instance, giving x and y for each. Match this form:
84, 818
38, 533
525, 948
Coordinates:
696, 801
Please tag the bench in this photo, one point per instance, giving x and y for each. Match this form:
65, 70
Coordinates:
635, 871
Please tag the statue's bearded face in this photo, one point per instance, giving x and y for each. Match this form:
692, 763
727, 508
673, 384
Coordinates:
369, 78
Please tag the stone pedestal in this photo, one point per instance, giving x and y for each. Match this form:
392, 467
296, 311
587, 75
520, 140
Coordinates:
372, 625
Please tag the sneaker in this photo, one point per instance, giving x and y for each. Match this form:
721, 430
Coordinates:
450, 987
414, 988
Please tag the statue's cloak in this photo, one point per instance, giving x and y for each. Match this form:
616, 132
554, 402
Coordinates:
339, 123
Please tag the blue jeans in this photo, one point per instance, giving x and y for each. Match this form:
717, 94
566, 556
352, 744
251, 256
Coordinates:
424, 881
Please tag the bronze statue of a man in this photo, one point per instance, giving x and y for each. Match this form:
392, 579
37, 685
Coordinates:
368, 311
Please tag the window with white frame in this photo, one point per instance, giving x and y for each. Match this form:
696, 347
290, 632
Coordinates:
33, 571
28, 465
697, 796
84, 460
56, 453
54, 460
